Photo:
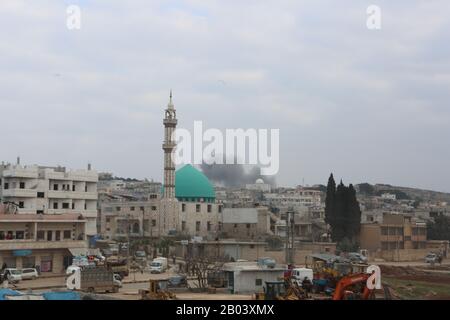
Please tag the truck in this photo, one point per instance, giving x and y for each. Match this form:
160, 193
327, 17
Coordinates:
99, 279
119, 266
158, 265
299, 274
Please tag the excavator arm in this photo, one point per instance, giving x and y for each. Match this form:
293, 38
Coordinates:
347, 281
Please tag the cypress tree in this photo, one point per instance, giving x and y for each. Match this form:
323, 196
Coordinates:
329, 201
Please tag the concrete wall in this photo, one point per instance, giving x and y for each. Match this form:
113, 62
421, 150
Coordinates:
245, 281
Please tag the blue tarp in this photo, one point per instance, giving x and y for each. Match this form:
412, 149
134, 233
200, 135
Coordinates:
8, 292
63, 295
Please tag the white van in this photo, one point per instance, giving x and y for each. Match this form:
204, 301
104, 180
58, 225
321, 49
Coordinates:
158, 265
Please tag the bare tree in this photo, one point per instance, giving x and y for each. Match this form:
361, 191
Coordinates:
200, 267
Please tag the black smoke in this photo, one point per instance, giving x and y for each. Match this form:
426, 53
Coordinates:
234, 175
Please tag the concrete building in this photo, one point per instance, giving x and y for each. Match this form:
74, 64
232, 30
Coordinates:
259, 185
45, 241
51, 190
249, 277
395, 238
245, 223
186, 205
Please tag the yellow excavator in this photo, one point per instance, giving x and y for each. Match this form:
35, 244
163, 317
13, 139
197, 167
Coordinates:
281, 290
157, 291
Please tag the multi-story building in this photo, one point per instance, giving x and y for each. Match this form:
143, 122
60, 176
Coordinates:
45, 241
197, 209
394, 232
51, 190
245, 223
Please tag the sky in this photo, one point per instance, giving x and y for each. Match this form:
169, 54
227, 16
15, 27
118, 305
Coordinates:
368, 105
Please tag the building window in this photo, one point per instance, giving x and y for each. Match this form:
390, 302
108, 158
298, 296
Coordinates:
209, 208
55, 205
141, 208
6, 185
57, 235
248, 225
208, 226
73, 205
107, 220
20, 235
55, 187
49, 235
85, 188
183, 225
73, 187
131, 208
85, 206
67, 234
40, 235
117, 208
197, 226
40, 194
258, 282
21, 204
183, 207
65, 205
384, 231
153, 223
154, 208
22, 185
197, 208
220, 209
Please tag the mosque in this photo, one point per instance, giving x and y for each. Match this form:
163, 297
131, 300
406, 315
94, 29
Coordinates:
187, 204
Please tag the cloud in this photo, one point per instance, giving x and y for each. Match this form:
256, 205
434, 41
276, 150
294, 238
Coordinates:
344, 98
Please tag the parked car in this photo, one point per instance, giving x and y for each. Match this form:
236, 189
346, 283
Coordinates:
29, 274
268, 262
13, 275
432, 258
357, 257
177, 281
140, 255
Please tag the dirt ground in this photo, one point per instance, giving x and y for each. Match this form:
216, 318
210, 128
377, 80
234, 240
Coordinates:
421, 282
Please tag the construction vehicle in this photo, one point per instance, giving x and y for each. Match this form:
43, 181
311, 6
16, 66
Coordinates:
281, 290
357, 282
157, 291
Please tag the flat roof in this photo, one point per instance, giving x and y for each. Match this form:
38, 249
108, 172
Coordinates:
68, 217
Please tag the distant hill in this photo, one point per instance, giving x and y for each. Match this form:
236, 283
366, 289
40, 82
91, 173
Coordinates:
403, 192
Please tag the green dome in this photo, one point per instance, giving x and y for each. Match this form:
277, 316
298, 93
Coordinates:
192, 185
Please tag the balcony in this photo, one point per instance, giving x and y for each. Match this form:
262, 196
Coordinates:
86, 213
35, 245
53, 194
19, 193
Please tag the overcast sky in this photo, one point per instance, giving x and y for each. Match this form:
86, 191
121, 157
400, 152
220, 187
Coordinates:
367, 105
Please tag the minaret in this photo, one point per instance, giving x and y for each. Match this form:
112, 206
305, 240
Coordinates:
170, 123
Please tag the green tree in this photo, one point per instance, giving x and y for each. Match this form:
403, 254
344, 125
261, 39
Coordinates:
439, 229
342, 212
329, 200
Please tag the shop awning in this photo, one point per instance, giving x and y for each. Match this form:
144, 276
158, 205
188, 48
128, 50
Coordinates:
78, 251
21, 253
